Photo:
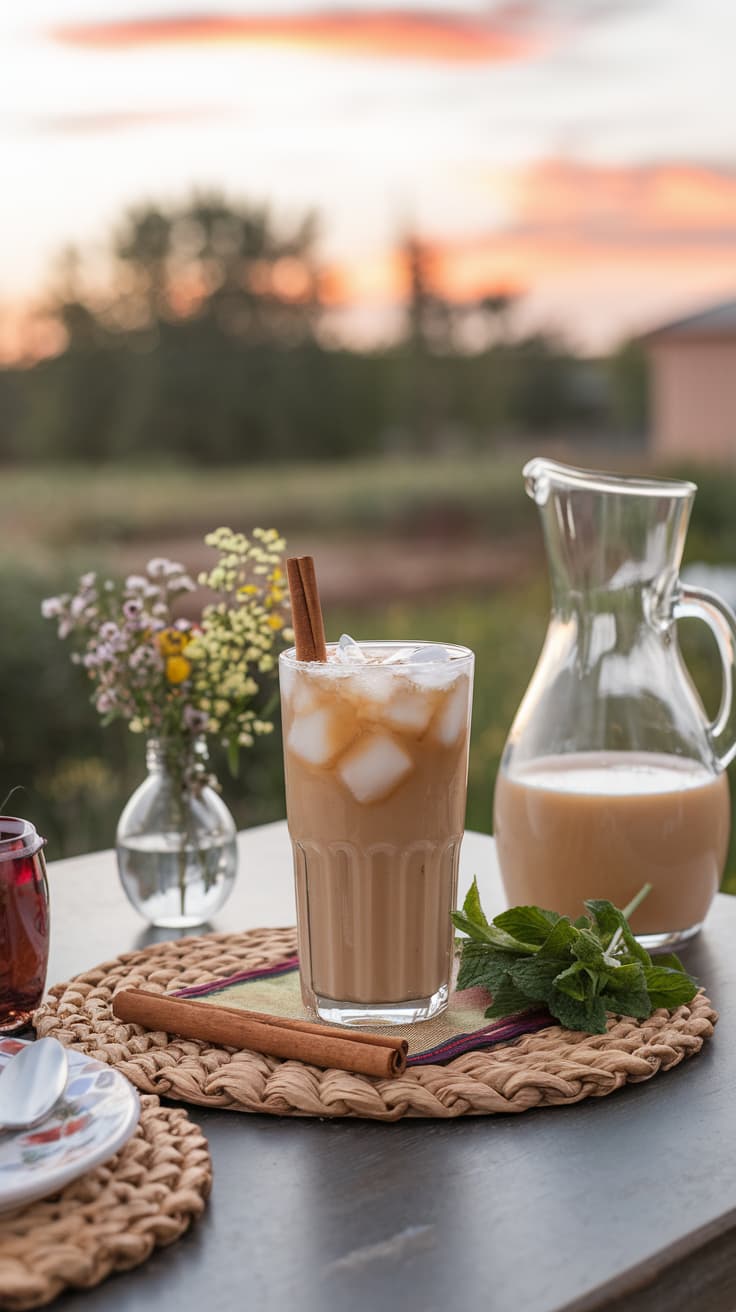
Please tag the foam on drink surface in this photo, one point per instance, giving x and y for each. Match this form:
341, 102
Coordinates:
613, 774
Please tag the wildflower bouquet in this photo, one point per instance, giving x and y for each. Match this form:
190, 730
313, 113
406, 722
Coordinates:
171, 678
177, 681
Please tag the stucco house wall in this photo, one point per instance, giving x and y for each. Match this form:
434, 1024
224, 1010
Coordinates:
692, 376
693, 399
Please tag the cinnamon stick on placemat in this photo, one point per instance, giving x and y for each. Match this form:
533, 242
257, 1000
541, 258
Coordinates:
306, 612
234, 1027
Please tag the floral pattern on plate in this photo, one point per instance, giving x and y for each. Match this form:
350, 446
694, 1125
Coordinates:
96, 1114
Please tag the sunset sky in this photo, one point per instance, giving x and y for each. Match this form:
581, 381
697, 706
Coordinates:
582, 152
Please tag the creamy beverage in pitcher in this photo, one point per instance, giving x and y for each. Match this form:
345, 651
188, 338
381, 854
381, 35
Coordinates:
602, 824
376, 754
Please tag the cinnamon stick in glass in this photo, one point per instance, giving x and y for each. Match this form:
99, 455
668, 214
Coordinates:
306, 612
234, 1027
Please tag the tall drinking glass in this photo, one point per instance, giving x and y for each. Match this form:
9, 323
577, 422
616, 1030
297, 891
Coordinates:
376, 758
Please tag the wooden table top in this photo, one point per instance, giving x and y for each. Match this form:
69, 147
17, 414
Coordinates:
627, 1201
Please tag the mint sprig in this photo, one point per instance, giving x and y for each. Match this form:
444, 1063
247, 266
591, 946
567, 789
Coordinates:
578, 969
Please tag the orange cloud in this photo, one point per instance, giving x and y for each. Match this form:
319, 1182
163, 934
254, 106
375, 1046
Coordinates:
570, 222
665, 202
433, 35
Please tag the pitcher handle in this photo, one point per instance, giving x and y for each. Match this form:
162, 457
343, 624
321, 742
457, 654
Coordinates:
702, 604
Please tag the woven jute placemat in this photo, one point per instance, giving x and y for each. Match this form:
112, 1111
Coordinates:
546, 1069
110, 1219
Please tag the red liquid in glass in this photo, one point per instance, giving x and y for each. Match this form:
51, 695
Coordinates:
24, 935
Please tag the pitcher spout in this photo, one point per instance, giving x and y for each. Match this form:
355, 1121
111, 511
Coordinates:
541, 476
605, 532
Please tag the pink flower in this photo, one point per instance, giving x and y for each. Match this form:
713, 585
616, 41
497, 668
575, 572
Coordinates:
195, 720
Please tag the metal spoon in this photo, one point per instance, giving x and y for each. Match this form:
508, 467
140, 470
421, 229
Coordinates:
32, 1081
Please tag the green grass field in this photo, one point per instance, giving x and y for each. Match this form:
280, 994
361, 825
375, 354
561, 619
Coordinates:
67, 507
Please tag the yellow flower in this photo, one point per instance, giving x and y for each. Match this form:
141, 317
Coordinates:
275, 622
178, 668
171, 642
248, 590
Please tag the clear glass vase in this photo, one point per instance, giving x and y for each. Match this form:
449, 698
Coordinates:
176, 840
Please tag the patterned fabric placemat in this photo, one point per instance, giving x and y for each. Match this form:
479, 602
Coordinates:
461, 1027
549, 1068
111, 1218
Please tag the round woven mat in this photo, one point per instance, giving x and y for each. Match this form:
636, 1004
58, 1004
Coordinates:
550, 1068
110, 1219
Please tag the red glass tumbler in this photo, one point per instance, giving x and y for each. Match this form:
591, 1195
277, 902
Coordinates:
24, 922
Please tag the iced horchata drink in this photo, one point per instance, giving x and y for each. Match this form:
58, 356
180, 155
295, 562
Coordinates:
376, 757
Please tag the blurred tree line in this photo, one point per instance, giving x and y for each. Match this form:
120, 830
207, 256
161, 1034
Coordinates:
212, 344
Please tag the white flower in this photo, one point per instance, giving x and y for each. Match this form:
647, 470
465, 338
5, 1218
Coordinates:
159, 567
87, 580
141, 656
51, 607
135, 583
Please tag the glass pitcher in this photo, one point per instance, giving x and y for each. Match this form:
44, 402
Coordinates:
612, 776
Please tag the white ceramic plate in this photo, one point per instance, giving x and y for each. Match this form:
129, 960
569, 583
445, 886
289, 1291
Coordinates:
95, 1116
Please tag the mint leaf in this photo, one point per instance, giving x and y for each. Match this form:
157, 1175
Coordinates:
625, 991
628, 1002
559, 940
670, 960
537, 975
481, 967
608, 919
587, 947
472, 907
527, 924
622, 979
469, 927
574, 981
490, 934
589, 1016
473, 970
506, 1000
668, 988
